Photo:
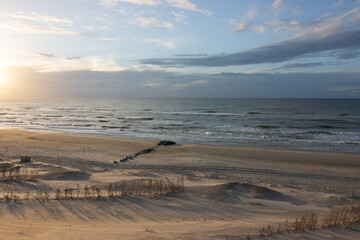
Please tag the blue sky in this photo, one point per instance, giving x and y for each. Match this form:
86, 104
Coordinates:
179, 48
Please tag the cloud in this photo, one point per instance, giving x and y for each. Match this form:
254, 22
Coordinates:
37, 23
181, 4
279, 6
168, 43
72, 58
189, 84
36, 29
43, 23
51, 63
277, 25
112, 3
39, 17
276, 4
186, 5
339, 3
42, 54
191, 55
271, 53
302, 65
153, 83
329, 22
244, 25
150, 22
179, 16
348, 54
260, 29
349, 89
107, 39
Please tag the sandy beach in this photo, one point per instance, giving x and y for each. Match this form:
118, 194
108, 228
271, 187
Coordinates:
221, 192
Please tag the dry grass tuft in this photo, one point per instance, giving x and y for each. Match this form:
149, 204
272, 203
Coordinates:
19, 173
306, 222
341, 216
148, 187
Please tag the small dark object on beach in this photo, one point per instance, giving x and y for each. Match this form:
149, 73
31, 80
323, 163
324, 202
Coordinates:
115, 162
25, 159
145, 151
166, 143
126, 158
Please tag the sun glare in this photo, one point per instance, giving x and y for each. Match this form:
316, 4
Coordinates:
2, 77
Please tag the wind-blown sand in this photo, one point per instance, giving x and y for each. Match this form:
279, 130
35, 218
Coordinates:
230, 192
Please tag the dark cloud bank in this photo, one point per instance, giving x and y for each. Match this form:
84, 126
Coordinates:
273, 53
135, 84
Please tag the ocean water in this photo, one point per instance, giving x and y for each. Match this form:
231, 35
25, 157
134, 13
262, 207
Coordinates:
307, 124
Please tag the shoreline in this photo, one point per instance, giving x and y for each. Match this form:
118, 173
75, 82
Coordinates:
210, 144
124, 138
244, 152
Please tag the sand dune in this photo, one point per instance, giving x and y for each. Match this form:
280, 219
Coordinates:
228, 192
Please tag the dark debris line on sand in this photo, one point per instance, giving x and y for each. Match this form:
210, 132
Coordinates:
146, 151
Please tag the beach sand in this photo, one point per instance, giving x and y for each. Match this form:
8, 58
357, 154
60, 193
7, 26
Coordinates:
229, 192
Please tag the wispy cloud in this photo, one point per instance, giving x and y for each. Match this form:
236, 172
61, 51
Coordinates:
90, 63
179, 16
321, 25
189, 84
244, 25
279, 7
339, 3
187, 5
150, 22
276, 4
40, 17
48, 62
36, 28
153, 84
349, 89
41, 54
42, 23
37, 23
168, 43
302, 65
181, 4
111, 3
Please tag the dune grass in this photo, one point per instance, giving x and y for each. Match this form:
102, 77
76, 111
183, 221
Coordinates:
19, 173
142, 187
341, 216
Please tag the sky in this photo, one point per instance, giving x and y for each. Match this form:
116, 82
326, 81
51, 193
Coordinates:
179, 49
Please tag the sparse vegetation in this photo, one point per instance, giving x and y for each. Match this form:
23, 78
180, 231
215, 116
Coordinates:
306, 222
143, 187
19, 173
341, 216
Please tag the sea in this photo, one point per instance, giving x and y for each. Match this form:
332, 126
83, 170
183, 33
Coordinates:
301, 124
